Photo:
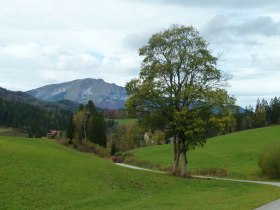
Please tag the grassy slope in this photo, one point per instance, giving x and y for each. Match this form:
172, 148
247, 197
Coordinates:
11, 132
238, 152
40, 174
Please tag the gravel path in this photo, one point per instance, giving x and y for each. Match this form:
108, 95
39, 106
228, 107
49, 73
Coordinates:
275, 205
138, 168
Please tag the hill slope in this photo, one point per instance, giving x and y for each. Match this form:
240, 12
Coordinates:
103, 94
32, 116
238, 152
40, 174
22, 97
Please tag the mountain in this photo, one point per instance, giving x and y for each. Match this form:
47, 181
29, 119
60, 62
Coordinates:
18, 96
103, 94
22, 97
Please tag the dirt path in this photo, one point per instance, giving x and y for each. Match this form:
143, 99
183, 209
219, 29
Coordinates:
275, 205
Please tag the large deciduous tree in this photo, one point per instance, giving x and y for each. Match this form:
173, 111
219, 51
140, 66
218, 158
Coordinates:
180, 84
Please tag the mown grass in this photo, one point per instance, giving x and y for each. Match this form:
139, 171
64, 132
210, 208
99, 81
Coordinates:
238, 153
41, 174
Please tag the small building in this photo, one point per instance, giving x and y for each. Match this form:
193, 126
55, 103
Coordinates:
51, 134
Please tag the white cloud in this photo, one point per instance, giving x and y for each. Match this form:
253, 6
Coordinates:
27, 50
44, 42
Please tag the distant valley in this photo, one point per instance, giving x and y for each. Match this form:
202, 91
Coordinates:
103, 94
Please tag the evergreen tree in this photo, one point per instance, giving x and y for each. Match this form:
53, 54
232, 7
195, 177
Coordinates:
260, 114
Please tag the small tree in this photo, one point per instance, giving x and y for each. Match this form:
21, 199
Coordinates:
179, 82
81, 123
70, 129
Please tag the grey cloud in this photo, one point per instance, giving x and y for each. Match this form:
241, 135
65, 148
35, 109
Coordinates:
135, 41
240, 4
262, 25
222, 29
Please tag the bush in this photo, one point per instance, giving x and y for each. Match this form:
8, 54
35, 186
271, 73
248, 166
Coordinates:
119, 157
90, 147
269, 161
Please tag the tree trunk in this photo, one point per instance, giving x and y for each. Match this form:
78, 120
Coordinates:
184, 160
85, 132
176, 157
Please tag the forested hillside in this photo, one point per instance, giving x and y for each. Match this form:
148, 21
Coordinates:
33, 120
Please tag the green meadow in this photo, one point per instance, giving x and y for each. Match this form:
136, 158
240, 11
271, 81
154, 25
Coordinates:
126, 121
4, 131
237, 152
41, 174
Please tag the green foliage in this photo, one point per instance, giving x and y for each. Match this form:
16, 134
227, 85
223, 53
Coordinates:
91, 147
179, 88
42, 174
260, 114
158, 137
113, 149
31, 119
126, 137
90, 125
273, 111
264, 114
71, 129
115, 114
80, 120
269, 160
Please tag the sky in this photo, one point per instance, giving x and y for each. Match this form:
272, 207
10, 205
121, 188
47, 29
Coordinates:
46, 42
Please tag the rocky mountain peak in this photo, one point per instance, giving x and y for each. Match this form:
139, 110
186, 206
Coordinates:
103, 94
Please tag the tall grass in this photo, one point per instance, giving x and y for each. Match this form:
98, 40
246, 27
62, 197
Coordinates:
269, 160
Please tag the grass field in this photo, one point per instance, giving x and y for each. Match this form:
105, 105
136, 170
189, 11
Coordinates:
10, 132
237, 152
41, 174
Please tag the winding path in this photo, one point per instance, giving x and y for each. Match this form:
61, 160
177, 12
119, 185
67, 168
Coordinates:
275, 205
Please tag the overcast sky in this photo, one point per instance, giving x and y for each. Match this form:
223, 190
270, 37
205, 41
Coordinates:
45, 42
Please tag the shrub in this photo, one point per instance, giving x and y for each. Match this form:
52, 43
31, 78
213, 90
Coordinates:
119, 157
269, 160
90, 147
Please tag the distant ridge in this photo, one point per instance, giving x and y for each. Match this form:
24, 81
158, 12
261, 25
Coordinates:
22, 97
103, 94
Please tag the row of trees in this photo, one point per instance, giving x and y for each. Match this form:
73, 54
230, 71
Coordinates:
115, 114
88, 125
34, 121
263, 114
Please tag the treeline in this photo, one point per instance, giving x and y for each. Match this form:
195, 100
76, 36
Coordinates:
264, 114
32, 120
115, 114
123, 138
